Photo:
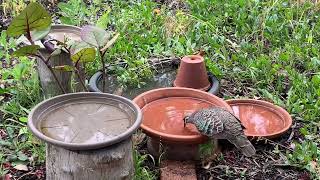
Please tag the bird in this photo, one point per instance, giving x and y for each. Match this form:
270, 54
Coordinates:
219, 123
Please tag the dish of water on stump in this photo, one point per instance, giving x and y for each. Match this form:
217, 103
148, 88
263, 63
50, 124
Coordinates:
85, 122
87, 119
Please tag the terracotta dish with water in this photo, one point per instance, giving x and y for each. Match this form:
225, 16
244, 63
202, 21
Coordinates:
164, 109
261, 118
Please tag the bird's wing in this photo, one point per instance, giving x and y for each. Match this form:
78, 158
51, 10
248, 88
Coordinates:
237, 120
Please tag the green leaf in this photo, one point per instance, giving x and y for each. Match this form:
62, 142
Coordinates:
23, 119
23, 130
40, 34
21, 156
67, 20
82, 52
64, 68
33, 17
85, 55
26, 50
3, 91
110, 43
95, 36
103, 21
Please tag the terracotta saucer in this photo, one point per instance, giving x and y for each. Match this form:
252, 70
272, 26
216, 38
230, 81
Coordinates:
261, 118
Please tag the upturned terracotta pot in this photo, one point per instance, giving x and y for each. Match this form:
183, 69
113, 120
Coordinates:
192, 73
163, 111
261, 118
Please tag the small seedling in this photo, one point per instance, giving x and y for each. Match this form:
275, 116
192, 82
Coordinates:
101, 40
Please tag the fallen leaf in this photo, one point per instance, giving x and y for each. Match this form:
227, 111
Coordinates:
21, 167
7, 177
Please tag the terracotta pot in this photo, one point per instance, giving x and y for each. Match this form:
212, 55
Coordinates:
163, 112
192, 73
261, 118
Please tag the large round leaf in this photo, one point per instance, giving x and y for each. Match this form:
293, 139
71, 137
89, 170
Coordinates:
26, 50
95, 36
81, 52
33, 17
40, 34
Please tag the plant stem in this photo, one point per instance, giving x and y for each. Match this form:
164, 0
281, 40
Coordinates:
46, 62
76, 66
103, 69
56, 78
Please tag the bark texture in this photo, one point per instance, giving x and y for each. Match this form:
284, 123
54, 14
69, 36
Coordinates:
110, 163
49, 86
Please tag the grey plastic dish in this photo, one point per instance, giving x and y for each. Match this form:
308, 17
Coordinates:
83, 121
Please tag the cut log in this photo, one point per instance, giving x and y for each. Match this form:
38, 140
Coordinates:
109, 163
49, 86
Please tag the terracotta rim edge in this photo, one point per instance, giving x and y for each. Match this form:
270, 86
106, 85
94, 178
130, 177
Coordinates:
277, 109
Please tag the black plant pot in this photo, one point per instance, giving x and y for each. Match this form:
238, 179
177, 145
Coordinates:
96, 78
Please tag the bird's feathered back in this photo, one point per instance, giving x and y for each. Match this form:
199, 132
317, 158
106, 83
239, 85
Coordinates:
221, 124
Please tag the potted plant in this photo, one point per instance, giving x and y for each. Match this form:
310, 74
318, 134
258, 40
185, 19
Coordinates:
34, 23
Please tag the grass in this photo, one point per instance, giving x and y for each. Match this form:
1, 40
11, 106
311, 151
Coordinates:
142, 172
261, 49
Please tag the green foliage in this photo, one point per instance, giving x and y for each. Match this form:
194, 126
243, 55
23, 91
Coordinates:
13, 7
95, 36
23, 84
76, 12
141, 172
26, 50
6, 46
104, 20
19, 141
33, 17
306, 155
268, 49
206, 150
73, 12
81, 52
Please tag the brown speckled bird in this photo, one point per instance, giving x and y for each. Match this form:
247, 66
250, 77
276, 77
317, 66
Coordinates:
221, 124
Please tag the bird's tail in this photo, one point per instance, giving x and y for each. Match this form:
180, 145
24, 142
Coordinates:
242, 143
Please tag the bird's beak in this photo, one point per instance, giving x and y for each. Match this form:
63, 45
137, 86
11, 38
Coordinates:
184, 122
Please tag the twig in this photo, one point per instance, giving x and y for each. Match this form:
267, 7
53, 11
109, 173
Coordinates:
274, 143
28, 173
103, 69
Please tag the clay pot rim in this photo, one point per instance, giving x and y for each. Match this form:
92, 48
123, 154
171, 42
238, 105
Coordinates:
193, 59
32, 122
276, 109
205, 89
178, 138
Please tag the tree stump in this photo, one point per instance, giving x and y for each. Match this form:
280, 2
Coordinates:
109, 163
49, 85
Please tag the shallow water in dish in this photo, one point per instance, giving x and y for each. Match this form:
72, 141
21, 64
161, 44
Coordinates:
166, 115
163, 78
86, 122
257, 119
